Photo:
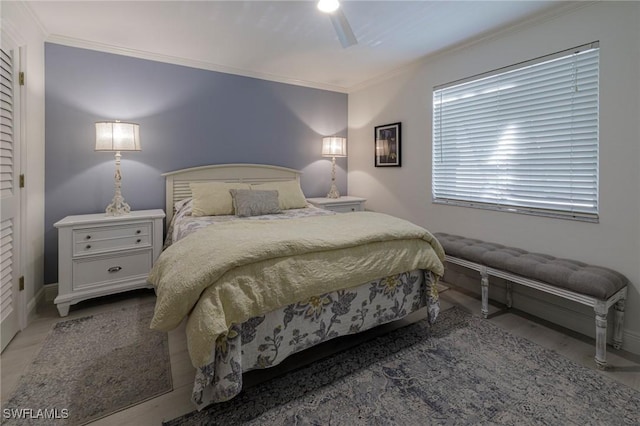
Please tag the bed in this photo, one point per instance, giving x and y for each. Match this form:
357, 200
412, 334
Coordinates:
284, 277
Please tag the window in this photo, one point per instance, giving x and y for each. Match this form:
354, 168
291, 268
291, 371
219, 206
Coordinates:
522, 138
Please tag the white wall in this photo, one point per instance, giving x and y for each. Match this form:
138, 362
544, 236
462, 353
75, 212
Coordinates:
406, 191
21, 26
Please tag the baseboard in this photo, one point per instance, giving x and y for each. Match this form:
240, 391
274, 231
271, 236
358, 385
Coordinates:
631, 341
33, 304
50, 292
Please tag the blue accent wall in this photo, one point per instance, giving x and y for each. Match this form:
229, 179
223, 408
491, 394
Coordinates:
188, 117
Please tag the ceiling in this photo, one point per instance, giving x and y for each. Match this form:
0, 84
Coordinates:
288, 41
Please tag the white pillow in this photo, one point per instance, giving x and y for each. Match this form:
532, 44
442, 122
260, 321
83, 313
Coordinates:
213, 198
290, 195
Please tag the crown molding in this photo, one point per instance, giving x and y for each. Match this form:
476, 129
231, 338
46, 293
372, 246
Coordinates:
24, 15
562, 9
140, 54
9, 31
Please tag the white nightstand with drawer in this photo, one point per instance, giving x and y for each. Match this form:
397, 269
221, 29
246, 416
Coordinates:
340, 205
100, 255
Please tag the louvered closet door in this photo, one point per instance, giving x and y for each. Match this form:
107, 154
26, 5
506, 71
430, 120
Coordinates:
9, 196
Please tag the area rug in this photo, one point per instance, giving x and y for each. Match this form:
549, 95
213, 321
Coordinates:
91, 367
463, 370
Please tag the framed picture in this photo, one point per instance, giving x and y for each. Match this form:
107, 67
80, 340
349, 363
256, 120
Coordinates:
387, 148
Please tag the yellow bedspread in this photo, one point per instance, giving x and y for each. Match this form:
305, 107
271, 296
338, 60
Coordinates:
227, 273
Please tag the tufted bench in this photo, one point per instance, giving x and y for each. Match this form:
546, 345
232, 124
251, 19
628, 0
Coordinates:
590, 285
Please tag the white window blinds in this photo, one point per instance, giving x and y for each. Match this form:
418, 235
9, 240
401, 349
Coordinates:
521, 139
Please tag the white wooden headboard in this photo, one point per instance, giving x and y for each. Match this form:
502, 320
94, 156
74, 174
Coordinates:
178, 181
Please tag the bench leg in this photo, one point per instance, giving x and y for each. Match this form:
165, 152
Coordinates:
617, 325
601, 335
509, 295
484, 283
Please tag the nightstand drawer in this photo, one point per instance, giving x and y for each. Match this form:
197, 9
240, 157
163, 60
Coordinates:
89, 272
340, 205
100, 246
345, 208
97, 240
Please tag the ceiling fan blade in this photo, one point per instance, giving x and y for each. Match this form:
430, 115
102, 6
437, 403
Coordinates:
343, 29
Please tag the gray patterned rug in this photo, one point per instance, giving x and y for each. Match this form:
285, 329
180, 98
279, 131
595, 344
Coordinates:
464, 370
93, 366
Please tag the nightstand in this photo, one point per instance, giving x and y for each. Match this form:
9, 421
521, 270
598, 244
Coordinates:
100, 255
340, 205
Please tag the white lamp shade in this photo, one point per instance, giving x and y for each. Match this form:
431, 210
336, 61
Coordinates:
334, 146
117, 136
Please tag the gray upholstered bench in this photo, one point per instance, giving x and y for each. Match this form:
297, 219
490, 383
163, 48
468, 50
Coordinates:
590, 285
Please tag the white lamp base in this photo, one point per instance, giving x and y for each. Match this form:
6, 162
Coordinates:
333, 192
118, 206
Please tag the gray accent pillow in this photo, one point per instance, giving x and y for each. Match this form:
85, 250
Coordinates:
247, 202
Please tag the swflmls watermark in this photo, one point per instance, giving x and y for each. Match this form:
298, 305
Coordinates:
35, 414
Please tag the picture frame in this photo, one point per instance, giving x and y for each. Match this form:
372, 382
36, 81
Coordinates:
387, 140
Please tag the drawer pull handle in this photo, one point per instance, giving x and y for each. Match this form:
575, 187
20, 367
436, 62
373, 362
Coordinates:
88, 237
88, 246
138, 231
114, 269
138, 240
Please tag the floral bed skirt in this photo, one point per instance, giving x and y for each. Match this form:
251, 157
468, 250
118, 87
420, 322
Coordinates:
265, 341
